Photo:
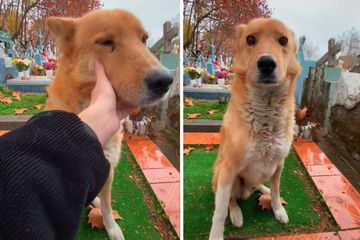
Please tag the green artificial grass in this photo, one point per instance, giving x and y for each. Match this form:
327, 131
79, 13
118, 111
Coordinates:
203, 108
28, 102
138, 222
199, 201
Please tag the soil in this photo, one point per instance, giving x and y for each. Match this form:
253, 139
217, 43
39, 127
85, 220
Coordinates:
336, 150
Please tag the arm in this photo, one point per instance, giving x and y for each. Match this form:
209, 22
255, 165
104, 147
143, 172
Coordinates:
50, 169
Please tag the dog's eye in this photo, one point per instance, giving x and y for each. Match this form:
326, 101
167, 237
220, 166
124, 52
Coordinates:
144, 39
250, 40
107, 43
283, 41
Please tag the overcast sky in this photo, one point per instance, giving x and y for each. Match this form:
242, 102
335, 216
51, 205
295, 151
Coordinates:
318, 20
152, 13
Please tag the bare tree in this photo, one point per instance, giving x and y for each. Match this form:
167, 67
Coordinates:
350, 46
311, 49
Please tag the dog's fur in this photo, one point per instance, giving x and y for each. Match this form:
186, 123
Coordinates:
257, 129
116, 39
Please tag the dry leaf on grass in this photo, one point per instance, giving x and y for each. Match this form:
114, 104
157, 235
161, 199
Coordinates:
17, 98
161, 137
15, 93
39, 106
201, 100
186, 151
1, 95
96, 219
29, 94
213, 111
193, 115
209, 147
189, 101
5, 100
265, 201
151, 117
20, 111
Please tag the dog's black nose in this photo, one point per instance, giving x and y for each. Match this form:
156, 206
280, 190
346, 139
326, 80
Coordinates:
159, 81
266, 65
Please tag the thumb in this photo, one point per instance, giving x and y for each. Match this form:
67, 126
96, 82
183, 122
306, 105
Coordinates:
99, 71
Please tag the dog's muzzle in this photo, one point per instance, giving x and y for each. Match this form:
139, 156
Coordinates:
159, 81
266, 66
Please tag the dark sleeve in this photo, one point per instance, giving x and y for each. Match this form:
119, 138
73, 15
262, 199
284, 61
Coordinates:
50, 169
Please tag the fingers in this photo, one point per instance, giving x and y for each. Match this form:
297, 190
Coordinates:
99, 70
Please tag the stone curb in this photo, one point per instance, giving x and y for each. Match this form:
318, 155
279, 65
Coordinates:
202, 125
11, 122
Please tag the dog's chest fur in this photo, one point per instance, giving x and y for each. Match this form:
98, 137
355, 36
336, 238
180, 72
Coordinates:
269, 122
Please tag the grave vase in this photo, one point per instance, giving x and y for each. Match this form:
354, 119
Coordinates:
26, 73
221, 82
192, 82
49, 74
20, 74
198, 81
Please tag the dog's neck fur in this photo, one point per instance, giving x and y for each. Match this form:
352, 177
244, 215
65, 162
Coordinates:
266, 109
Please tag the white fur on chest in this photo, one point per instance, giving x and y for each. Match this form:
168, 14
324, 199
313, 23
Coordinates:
269, 147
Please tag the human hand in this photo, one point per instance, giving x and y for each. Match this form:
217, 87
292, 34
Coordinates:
103, 114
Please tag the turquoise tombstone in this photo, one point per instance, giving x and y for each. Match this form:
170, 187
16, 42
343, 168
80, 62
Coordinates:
303, 59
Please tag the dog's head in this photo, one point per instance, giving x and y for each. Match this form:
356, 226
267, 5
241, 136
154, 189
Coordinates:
265, 53
117, 39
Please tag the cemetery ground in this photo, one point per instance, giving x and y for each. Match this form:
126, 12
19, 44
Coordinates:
306, 209
205, 109
138, 189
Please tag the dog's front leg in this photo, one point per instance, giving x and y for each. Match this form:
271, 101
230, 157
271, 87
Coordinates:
112, 228
222, 198
278, 209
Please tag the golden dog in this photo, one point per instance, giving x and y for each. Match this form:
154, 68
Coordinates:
257, 129
117, 39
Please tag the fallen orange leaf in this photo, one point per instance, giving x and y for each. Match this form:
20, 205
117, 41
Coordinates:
213, 111
265, 201
161, 137
151, 117
17, 98
188, 150
189, 101
301, 114
193, 115
15, 93
41, 105
29, 94
96, 219
5, 100
201, 100
20, 111
1, 95
209, 147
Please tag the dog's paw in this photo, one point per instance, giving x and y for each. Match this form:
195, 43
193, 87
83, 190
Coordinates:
281, 215
236, 217
96, 202
114, 232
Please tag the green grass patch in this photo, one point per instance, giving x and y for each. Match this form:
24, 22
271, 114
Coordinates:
28, 102
297, 190
203, 108
139, 220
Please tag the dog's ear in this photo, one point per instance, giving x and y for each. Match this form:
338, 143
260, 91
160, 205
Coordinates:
295, 46
64, 31
239, 30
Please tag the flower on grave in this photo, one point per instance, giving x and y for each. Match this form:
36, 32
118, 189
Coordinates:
22, 64
194, 72
49, 65
40, 68
221, 74
212, 77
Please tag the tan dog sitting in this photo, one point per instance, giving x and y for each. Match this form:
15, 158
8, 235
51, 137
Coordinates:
257, 128
117, 39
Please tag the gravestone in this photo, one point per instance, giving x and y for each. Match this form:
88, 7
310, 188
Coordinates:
200, 61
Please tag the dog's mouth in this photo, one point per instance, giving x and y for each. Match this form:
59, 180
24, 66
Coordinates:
267, 80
